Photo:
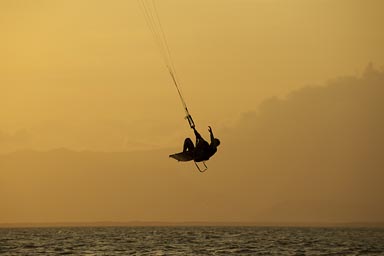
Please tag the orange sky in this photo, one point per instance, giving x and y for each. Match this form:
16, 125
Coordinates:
86, 75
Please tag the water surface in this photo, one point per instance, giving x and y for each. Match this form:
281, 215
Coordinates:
191, 241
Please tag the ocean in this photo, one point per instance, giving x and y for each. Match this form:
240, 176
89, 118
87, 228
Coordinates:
191, 241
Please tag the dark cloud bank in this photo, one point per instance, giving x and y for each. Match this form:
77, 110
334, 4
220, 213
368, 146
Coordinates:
316, 156
324, 146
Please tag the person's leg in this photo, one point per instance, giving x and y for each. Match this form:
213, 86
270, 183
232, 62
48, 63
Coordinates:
188, 145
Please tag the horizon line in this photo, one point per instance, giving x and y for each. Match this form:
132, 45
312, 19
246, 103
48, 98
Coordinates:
188, 223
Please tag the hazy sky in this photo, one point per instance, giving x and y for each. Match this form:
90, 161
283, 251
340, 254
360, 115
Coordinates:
314, 157
86, 75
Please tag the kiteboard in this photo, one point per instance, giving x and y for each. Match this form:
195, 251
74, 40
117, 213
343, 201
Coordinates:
182, 156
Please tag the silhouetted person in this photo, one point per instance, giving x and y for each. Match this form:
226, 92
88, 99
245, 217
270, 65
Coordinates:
203, 151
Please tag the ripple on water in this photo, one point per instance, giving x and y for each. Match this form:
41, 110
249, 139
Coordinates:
191, 241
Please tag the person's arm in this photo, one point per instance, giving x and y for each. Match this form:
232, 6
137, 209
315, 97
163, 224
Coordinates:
197, 134
211, 133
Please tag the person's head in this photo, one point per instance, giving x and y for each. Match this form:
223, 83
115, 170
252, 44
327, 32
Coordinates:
217, 142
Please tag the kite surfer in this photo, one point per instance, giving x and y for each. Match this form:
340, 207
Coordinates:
203, 150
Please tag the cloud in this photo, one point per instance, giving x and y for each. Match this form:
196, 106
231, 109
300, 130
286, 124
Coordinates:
321, 144
14, 141
314, 156
343, 116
